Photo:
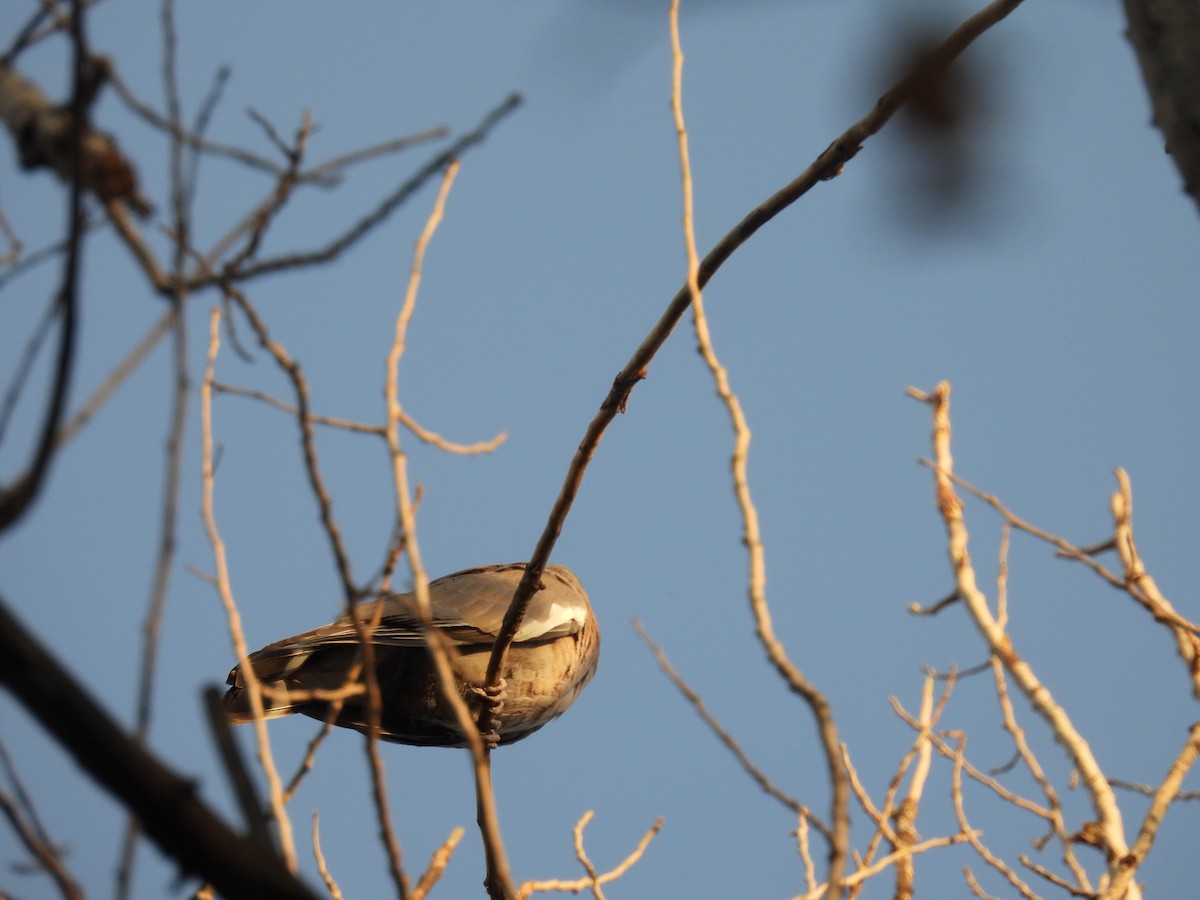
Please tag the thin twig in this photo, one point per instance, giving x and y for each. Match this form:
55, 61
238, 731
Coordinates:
437, 864
973, 837
759, 777
581, 854
116, 378
330, 884
582, 884
981, 777
1141, 586
282, 823
29, 355
45, 854
923, 740
24, 818
384, 209
498, 879
31, 260
1147, 790
862, 873
256, 224
426, 436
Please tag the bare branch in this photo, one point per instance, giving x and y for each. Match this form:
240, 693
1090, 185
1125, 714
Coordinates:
16, 498
45, 855
253, 690
1000, 642
826, 166
593, 880
1154, 815
235, 768
973, 837
167, 804
330, 885
385, 208
1025, 752
1142, 587
437, 864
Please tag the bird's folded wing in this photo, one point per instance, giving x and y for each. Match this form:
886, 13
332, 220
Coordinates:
468, 607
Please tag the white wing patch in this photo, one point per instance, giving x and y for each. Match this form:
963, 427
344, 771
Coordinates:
562, 618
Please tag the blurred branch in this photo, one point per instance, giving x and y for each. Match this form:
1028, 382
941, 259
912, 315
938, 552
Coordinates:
368, 222
45, 133
45, 855
181, 205
35, 31
31, 260
254, 227
13, 253
17, 497
1165, 35
325, 173
24, 367
167, 804
23, 817
235, 767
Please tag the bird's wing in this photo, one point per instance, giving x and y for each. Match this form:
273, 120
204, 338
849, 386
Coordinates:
469, 608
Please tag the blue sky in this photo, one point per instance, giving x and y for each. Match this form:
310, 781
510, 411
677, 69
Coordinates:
1058, 301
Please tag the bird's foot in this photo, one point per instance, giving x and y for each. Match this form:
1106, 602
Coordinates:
491, 698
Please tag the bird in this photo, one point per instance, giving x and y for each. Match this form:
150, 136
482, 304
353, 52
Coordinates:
552, 658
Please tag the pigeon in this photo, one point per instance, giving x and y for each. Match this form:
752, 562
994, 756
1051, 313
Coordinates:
552, 657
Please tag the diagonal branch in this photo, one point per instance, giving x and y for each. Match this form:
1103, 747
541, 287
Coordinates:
826, 166
168, 804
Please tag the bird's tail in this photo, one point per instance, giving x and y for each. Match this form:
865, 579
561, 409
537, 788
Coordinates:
292, 680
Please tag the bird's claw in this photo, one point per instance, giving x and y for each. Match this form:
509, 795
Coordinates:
491, 698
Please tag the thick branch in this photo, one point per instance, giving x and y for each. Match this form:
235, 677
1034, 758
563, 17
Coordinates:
1165, 35
167, 804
